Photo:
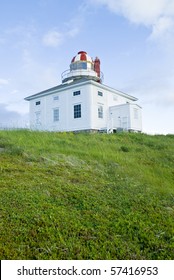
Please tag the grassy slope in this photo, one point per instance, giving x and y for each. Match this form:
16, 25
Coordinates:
81, 196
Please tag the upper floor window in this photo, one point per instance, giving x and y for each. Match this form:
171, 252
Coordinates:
100, 93
77, 111
37, 102
56, 97
76, 93
100, 112
56, 114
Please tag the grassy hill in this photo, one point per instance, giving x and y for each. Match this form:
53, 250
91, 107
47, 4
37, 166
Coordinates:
86, 196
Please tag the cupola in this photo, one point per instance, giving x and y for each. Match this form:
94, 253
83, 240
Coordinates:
83, 66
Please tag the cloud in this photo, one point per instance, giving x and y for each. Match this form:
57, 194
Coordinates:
156, 14
22, 35
162, 25
6, 115
3, 82
70, 29
161, 97
53, 38
10, 118
73, 32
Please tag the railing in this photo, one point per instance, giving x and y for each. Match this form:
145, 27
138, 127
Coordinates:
67, 74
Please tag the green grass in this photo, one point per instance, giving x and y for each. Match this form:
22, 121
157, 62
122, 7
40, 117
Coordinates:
86, 196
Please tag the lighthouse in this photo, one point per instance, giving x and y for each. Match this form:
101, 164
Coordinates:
83, 66
83, 103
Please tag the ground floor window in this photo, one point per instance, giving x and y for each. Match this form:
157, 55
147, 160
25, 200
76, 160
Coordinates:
77, 111
56, 114
100, 112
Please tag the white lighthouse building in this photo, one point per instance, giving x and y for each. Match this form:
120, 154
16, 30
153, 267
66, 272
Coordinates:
83, 103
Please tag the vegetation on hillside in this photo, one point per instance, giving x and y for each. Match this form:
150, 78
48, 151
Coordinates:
86, 196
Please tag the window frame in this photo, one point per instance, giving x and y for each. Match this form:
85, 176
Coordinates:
56, 118
37, 103
76, 93
100, 111
55, 97
77, 113
100, 93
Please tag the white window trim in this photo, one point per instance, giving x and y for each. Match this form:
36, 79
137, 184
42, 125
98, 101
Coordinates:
100, 93
74, 95
56, 98
100, 113
54, 116
80, 111
37, 103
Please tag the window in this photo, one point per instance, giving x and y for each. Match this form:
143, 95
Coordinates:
56, 115
100, 93
77, 111
79, 65
38, 117
37, 103
56, 97
76, 93
100, 112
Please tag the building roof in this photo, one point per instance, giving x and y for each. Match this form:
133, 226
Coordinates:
73, 83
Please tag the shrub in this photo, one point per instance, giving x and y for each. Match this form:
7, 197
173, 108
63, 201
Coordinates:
124, 149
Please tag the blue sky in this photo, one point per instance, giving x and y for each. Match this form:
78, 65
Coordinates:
134, 40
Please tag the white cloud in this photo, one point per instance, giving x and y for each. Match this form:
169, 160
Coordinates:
53, 38
12, 118
3, 82
22, 35
73, 32
70, 28
157, 14
161, 26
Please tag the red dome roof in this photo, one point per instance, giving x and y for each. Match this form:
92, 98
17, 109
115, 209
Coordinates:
81, 56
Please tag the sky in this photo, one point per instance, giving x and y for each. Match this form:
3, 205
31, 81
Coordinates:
134, 40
